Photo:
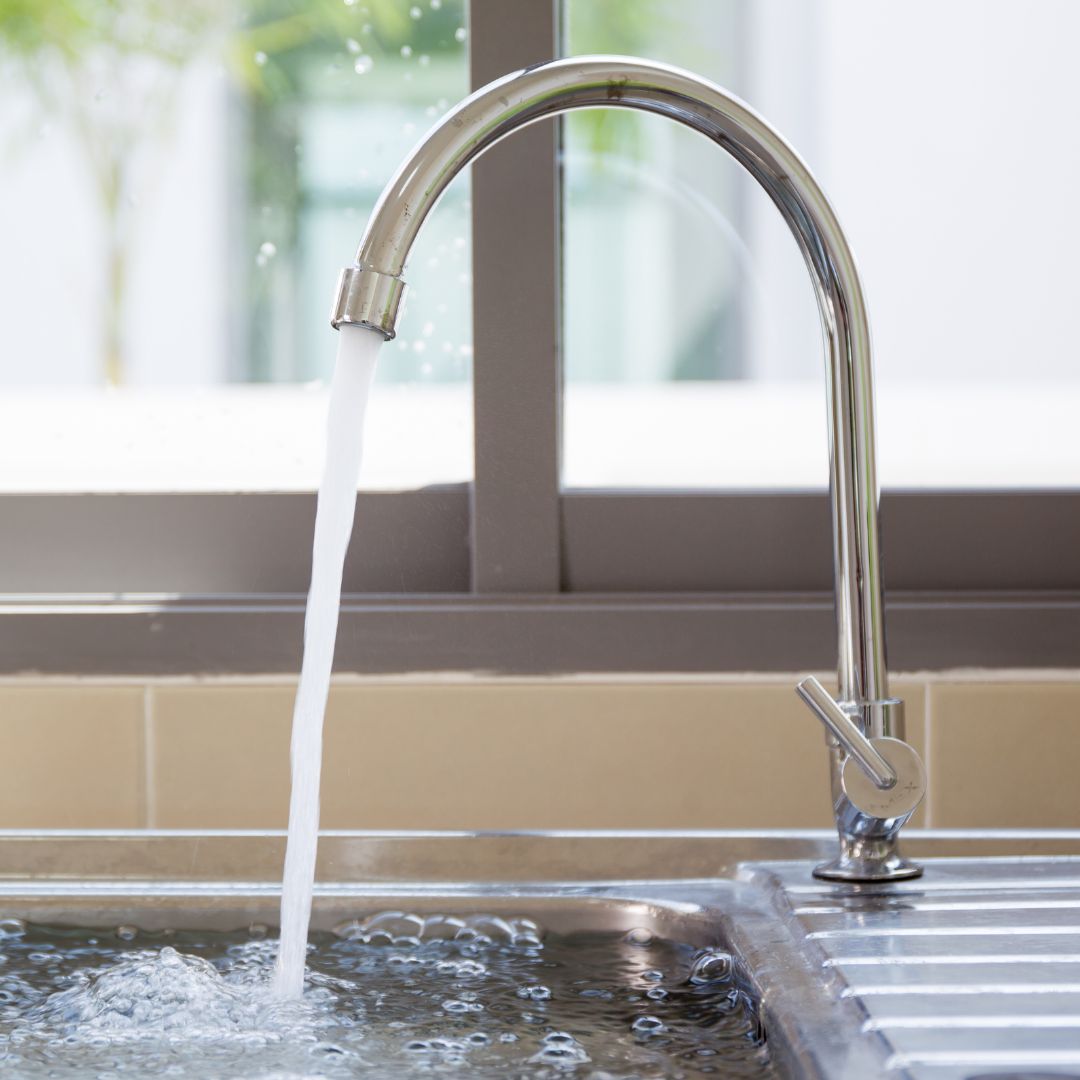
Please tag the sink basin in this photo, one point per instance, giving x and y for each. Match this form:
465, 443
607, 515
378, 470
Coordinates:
972, 970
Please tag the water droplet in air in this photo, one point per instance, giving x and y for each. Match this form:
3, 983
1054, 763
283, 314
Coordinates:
352, 45
406, 52
261, 58
267, 251
415, 12
460, 34
363, 65
436, 4
424, 59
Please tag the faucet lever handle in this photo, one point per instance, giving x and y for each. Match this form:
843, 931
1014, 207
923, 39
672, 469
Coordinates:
851, 738
890, 780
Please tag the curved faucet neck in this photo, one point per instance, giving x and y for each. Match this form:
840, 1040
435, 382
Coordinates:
371, 292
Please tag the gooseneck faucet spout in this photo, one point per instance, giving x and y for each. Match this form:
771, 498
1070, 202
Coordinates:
875, 796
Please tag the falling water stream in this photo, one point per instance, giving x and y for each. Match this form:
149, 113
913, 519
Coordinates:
354, 369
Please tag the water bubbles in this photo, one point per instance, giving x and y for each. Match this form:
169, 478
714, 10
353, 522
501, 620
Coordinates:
266, 252
260, 59
648, 1026
127, 933
363, 64
459, 1006
561, 1049
397, 992
711, 966
639, 936
460, 34
406, 52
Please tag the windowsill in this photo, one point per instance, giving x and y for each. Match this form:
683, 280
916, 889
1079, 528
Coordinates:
684, 435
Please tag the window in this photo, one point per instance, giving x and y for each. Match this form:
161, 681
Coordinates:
582, 546
184, 184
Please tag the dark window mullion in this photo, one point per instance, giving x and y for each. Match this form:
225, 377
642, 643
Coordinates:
517, 385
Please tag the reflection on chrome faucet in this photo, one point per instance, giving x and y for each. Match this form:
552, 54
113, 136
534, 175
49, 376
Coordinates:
877, 779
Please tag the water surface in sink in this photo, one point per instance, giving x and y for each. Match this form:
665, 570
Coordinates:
390, 994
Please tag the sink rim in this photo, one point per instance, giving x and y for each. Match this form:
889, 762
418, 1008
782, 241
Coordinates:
451, 857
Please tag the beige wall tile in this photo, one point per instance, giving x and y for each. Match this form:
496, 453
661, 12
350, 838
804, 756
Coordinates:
220, 757
72, 757
556, 756
502, 755
1005, 755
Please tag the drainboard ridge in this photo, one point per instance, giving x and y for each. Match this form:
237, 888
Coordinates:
974, 967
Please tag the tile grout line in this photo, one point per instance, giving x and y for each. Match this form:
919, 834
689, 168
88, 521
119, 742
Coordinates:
149, 790
927, 742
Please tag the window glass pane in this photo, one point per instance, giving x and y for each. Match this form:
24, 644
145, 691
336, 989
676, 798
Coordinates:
182, 184
688, 314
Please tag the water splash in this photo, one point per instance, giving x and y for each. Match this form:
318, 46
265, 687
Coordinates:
354, 370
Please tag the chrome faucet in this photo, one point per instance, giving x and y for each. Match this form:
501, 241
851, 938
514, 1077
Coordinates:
877, 778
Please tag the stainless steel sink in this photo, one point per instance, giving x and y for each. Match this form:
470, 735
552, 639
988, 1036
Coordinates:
972, 970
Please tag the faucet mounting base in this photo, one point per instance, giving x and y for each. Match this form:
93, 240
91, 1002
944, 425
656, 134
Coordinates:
868, 868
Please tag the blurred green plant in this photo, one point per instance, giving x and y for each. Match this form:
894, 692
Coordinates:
110, 72
613, 27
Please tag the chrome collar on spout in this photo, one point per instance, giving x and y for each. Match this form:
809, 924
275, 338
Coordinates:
877, 779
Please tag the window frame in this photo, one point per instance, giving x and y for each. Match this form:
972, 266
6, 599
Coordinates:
511, 573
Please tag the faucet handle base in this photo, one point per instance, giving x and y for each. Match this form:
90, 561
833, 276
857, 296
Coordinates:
866, 866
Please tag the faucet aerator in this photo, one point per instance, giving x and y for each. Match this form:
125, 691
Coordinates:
368, 298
